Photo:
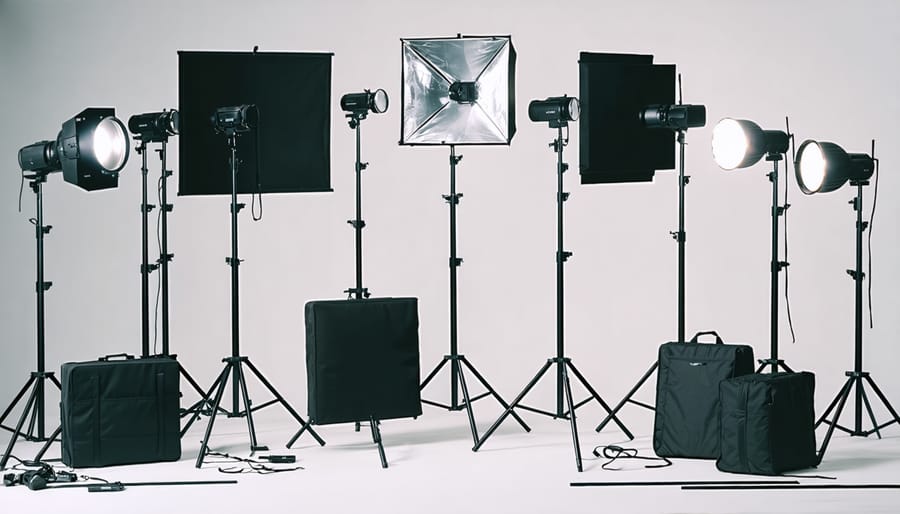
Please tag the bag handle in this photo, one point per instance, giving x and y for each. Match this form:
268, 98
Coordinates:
706, 333
124, 356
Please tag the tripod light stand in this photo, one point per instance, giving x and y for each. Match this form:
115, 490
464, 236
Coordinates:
679, 118
358, 106
458, 91
458, 362
90, 150
157, 127
740, 144
558, 111
822, 167
231, 121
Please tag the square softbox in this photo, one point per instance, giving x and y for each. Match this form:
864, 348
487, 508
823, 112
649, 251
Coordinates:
458, 91
614, 145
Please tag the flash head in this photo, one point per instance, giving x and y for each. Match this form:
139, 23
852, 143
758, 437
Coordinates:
239, 118
153, 127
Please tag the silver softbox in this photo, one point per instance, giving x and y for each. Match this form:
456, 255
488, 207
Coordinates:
458, 91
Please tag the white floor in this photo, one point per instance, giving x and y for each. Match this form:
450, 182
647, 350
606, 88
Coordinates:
433, 470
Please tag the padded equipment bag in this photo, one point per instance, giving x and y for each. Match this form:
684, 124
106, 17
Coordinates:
362, 359
120, 411
767, 423
687, 394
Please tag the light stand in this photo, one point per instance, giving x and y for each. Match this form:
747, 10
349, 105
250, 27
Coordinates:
565, 406
775, 268
857, 377
459, 363
358, 292
35, 408
234, 365
681, 238
162, 264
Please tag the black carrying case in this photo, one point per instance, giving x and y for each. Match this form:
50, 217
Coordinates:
120, 412
362, 359
687, 394
767, 423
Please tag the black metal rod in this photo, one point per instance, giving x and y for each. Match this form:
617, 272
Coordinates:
164, 258
681, 236
858, 278
40, 287
358, 226
787, 486
681, 483
145, 259
235, 262
560, 260
775, 267
454, 263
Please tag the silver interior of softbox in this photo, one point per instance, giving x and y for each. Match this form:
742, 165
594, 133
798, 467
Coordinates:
431, 66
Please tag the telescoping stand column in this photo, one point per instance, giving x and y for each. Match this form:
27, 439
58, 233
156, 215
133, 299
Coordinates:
558, 112
35, 408
231, 121
157, 127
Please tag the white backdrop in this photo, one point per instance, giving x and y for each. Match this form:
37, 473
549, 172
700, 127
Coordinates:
831, 66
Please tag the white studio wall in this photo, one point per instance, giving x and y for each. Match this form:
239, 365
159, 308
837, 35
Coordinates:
830, 66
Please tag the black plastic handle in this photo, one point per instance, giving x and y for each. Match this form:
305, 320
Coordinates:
706, 333
124, 356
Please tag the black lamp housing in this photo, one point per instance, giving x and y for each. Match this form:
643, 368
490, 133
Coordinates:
359, 104
557, 110
90, 149
822, 167
742, 143
673, 117
154, 127
238, 118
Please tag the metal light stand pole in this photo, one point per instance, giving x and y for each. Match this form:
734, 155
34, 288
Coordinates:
857, 377
162, 264
775, 267
681, 238
35, 407
458, 362
359, 292
565, 406
234, 364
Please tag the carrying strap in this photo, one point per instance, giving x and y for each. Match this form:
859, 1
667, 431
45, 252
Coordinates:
124, 356
696, 337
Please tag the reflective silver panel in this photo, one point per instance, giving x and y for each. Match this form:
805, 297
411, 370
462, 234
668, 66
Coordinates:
431, 66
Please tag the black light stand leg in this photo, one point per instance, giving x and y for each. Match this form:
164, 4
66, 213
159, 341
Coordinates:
775, 267
223, 381
35, 407
565, 407
376, 438
857, 379
458, 361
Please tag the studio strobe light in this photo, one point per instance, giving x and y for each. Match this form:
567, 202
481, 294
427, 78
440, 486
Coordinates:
154, 127
557, 112
90, 150
359, 104
822, 167
740, 144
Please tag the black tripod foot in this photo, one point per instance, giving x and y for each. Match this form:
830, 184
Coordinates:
458, 365
859, 381
34, 411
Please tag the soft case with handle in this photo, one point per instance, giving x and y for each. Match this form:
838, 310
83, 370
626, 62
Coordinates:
120, 411
767, 423
687, 394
